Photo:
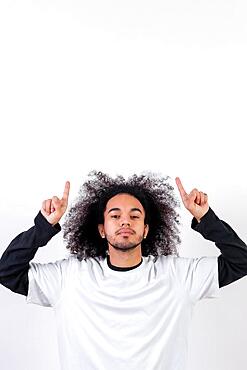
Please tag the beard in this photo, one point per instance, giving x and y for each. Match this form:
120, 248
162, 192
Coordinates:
125, 246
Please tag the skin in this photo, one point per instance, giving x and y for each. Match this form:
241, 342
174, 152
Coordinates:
54, 208
124, 211
125, 249
196, 202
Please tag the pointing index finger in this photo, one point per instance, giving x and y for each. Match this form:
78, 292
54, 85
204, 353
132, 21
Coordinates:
66, 191
180, 188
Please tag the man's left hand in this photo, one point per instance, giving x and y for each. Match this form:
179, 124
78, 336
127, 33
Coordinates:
196, 201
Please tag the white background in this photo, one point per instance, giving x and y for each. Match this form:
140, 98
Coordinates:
123, 87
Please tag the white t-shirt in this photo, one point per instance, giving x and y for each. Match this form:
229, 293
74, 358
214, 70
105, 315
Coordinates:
125, 320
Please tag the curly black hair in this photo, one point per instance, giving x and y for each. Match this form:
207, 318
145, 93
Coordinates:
156, 196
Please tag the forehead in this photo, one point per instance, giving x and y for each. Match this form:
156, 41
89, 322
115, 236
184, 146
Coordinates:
124, 200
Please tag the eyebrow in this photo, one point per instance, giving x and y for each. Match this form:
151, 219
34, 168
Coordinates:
118, 209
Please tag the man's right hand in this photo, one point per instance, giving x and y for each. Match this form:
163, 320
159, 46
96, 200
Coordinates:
53, 209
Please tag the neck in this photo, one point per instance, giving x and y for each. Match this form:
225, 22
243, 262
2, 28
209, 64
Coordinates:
125, 259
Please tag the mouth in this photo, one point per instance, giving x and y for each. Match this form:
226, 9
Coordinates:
125, 232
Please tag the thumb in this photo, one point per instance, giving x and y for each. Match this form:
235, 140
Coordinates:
193, 194
195, 197
55, 202
192, 198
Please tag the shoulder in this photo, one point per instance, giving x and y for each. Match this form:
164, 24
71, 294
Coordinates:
181, 265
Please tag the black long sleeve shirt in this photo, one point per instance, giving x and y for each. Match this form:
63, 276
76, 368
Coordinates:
14, 263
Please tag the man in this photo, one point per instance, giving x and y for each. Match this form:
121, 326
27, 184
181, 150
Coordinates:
123, 299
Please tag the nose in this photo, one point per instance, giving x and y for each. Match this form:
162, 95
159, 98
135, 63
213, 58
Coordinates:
125, 221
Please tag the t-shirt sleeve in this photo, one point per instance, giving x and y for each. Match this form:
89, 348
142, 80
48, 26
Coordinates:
46, 282
199, 276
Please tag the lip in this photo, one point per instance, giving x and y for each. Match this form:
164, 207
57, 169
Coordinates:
125, 232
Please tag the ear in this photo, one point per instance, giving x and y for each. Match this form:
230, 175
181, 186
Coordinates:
101, 230
146, 230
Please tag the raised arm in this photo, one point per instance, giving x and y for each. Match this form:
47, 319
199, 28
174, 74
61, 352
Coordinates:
14, 263
232, 262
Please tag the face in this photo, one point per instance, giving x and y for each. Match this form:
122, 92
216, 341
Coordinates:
124, 227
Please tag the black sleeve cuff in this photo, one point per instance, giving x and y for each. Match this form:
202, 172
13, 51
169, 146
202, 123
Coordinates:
216, 230
207, 219
45, 230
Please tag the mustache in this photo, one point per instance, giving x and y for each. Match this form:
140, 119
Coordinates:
125, 229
